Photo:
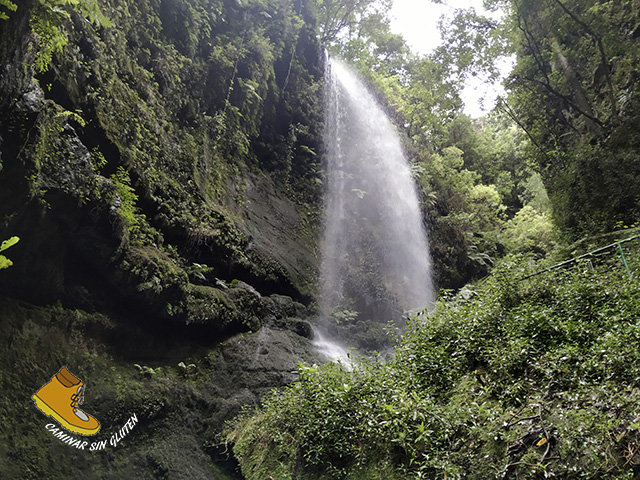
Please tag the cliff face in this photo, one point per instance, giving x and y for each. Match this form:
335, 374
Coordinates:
162, 175
183, 134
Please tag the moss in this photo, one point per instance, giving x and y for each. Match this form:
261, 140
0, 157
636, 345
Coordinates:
128, 162
153, 269
177, 416
274, 461
236, 309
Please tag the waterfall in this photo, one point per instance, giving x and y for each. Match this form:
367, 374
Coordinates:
376, 262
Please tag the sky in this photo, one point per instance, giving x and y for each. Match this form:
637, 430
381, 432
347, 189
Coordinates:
417, 21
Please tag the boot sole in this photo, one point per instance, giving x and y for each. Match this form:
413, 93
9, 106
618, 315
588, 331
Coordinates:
47, 410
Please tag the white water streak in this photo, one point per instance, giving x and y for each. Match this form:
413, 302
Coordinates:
373, 222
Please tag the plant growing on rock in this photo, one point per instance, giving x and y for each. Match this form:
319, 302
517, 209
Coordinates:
47, 23
125, 198
4, 261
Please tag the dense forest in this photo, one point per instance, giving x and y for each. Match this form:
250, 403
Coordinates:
162, 171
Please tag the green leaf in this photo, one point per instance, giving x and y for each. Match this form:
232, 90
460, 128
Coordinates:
5, 262
12, 7
9, 243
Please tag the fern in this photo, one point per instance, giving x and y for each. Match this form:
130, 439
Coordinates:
126, 198
47, 23
91, 11
12, 7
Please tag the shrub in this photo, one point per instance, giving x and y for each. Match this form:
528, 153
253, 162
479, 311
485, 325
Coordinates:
533, 378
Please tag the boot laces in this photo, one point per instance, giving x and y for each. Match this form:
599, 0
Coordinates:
77, 398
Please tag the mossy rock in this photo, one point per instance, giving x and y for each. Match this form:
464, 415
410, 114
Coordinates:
235, 309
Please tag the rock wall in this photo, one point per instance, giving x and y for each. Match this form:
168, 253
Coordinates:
134, 160
162, 174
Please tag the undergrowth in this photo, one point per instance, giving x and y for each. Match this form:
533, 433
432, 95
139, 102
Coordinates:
511, 378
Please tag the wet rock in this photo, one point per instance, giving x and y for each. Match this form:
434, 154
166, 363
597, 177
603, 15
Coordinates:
70, 171
282, 306
32, 99
302, 328
295, 325
257, 362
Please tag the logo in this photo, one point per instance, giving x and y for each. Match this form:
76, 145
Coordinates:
60, 399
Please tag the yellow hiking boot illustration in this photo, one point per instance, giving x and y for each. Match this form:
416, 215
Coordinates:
60, 399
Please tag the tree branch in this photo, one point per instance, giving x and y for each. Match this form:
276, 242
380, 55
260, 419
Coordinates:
566, 99
603, 55
509, 111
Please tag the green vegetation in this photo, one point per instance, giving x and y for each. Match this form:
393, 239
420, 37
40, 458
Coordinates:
533, 378
574, 61
4, 261
162, 170
47, 23
162, 164
125, 198
9, 5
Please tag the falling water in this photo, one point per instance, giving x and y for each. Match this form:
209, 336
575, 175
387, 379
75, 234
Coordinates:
376, 260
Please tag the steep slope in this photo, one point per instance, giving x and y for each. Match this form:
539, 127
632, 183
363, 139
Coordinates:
530, 374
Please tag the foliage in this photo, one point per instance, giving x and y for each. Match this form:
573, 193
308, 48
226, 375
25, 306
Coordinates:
336, 16
9, 5
4, 261
328, 423
199, 102
475, 43
576, 61
124, 198
473, 208
526, 378
528, 230
47, 22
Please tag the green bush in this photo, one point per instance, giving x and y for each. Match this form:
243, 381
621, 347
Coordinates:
532, 378
528, 230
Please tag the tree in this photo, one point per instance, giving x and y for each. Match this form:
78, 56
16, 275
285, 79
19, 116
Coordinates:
337, 16
576, 61
474, 43
573, 92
